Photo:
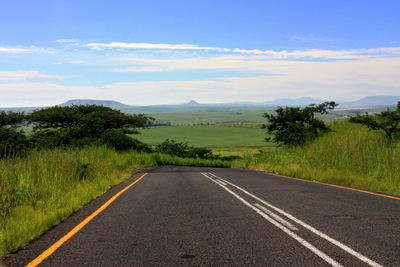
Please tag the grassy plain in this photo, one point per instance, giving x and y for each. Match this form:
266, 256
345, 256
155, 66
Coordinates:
212, 117
43, 188
237, 115
224, 139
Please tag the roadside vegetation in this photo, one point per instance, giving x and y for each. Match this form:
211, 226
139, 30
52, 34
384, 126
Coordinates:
349, 154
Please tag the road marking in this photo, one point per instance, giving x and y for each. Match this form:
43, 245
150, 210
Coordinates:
276, 217
77, 228
334, 185
309, 227
220, 182
303, 242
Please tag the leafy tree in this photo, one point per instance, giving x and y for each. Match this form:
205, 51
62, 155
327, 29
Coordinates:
295, 125
84, 124
90, 117
387, 121
12, 141
11, 118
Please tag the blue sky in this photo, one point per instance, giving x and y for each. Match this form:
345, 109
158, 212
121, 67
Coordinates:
152, 52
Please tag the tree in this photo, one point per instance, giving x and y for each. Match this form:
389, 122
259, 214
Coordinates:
387, 121
11, 118
295, 125
83, 124
12, 141
87, 116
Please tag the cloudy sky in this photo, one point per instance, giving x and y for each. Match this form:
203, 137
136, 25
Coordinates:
159, 52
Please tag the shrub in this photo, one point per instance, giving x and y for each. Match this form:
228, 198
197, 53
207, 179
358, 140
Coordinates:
118, 140
12, 142
182, 149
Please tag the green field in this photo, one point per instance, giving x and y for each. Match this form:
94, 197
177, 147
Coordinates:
224, 139
212, 117
237, 115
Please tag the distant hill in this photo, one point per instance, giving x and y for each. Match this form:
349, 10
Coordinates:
303, 101
372, 101
192, 103
107, 103
194, 106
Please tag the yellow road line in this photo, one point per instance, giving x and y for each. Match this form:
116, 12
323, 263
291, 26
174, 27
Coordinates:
338, 186
77, 228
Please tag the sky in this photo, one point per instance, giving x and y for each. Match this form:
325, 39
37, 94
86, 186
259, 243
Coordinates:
165, 52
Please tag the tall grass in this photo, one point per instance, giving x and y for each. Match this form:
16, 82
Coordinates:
43, 188
350, 155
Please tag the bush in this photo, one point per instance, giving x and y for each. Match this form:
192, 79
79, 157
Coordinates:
182, 149
49, 138
118, 140
172, 147
12, 142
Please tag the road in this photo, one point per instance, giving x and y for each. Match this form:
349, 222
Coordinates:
189, 216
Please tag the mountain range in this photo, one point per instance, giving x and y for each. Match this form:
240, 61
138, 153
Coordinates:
369, 101
192, 105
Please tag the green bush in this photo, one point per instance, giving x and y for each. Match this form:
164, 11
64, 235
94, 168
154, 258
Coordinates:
12, 142
118, 140
182, 149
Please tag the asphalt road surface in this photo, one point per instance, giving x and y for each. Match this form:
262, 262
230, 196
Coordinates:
188, 216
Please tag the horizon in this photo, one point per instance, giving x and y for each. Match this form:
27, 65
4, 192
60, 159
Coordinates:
269, 102
166, 53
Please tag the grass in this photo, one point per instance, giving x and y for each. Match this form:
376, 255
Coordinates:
217, 136
350, 155
42, 189
212, 117
240, 151
207, 115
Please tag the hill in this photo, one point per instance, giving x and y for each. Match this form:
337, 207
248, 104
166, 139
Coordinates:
107, 103
371, 101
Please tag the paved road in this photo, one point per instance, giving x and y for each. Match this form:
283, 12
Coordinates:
186, 216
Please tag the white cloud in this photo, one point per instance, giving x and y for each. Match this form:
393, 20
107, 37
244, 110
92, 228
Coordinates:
63, 41
269, 74
16, 50
31, 94
340, 80
271, 54
24, 75
150, 46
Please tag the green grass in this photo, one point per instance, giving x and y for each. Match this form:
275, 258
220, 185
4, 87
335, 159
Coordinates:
236, 115
212, 117
42, 189
350, 155
228, 136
